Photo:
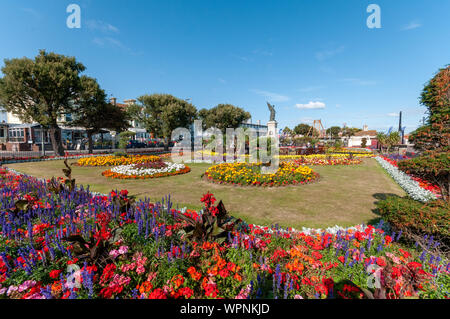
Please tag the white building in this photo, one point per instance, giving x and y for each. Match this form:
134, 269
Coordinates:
357, 139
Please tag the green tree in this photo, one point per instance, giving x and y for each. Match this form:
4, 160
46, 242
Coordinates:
435, 135
288, 132
124, 138
94, 113
302, 129
334, 131
41, 90
223, 116
162, 113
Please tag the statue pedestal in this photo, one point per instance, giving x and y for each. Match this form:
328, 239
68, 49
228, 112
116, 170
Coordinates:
271, 128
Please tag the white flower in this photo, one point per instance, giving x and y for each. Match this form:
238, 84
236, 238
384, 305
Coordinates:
134, 170
411, 187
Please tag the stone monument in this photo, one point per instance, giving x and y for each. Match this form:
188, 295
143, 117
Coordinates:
272, 124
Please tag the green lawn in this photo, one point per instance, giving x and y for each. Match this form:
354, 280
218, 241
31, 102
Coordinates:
344, 195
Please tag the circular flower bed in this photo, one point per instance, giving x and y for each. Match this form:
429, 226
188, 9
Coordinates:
112, 160
146, 170
250, 174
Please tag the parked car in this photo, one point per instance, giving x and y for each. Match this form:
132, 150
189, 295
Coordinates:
136, 144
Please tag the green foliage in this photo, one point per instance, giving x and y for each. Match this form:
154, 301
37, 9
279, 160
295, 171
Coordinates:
415, 218
163, 113
388, 140
435, 135
94, 113
124, 138
434, 167
334, 131
212, 226
223, 116
41, 90
302, 129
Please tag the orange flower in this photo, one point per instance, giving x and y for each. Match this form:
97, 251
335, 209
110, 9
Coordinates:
237, 277
178, 280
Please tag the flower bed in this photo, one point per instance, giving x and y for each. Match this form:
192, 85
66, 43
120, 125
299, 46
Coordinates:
145, 250
321, 160
412, 187
112, 160
250, 174
339, 159
148, 170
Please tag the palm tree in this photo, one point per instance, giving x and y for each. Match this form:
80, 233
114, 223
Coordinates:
393, 139
382, 140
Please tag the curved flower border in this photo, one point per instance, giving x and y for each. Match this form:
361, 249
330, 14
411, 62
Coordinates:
410, 186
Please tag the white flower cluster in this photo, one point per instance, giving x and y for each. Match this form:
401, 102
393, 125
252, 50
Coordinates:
134, 170
411, 187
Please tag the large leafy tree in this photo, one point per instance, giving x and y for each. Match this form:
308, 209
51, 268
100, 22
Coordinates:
435, 135
41, 90
163, 113
433, 138
334, 131
223, 116
94, 113
302, 129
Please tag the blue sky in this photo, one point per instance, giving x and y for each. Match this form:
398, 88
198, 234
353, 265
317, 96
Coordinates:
311, 59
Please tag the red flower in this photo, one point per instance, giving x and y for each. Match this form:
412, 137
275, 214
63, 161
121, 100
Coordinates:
381, 262
414, 265
388, 240
54, 274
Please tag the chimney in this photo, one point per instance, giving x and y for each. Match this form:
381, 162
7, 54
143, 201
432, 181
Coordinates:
365, 128
258, 122
113, 101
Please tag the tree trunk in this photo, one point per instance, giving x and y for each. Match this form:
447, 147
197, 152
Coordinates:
55, 138
90, 142
166, 144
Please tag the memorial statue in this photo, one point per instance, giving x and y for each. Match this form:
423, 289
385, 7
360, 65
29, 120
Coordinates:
272, 111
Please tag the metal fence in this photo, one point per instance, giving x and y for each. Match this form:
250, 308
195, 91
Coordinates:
4, 155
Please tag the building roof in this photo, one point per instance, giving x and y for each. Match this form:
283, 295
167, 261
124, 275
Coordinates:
366, 133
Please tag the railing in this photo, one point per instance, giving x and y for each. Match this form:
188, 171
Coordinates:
24, 155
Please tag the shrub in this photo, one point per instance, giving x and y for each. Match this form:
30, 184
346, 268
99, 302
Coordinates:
416, 219
434, 167
364, 142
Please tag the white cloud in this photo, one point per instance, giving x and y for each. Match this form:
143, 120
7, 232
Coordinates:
101, 26
326, 54
272, 97
311, 105
412, 25
392, 114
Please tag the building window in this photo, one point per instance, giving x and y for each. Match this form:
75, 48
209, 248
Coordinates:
16, 134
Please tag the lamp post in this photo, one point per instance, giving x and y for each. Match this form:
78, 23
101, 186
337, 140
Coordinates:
42, 141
